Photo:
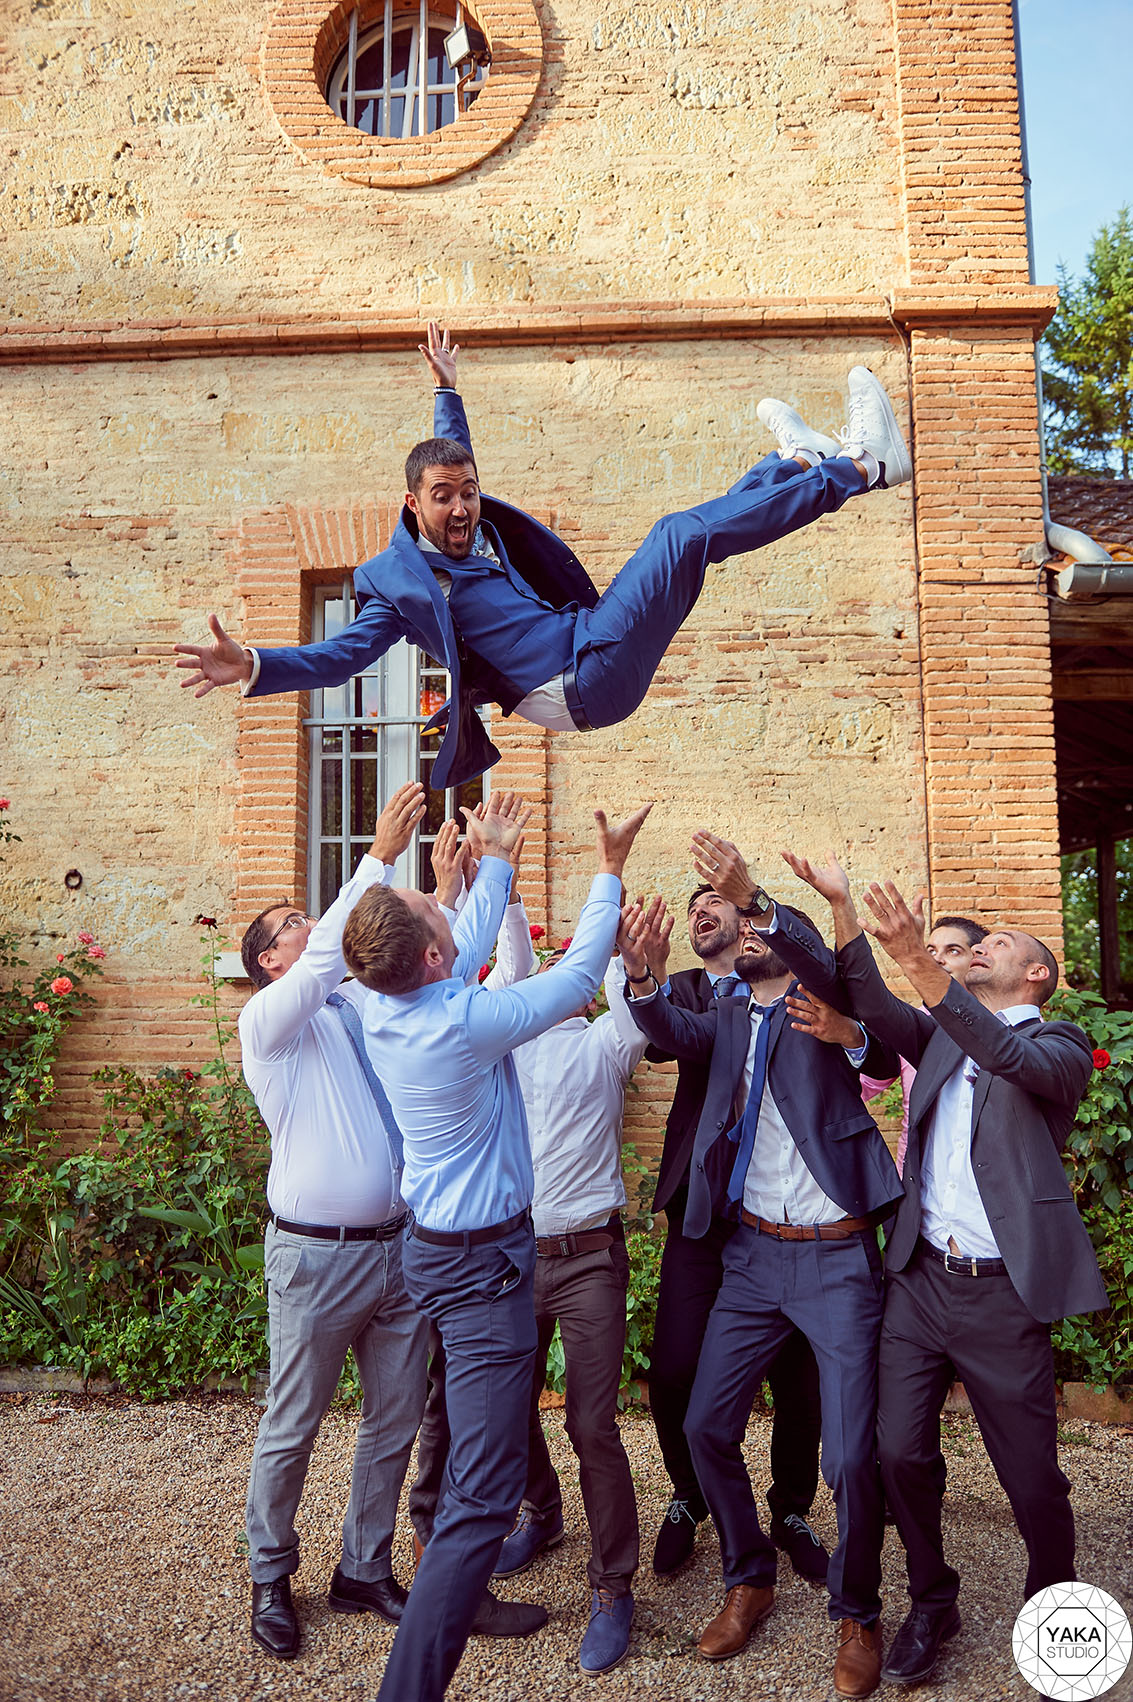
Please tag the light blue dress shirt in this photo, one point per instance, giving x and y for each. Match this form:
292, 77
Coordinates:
442, 1053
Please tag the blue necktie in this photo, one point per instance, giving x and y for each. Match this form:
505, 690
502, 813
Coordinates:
344, 1009
743, 1132
726, 987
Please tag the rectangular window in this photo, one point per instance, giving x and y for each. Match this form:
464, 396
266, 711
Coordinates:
365, 742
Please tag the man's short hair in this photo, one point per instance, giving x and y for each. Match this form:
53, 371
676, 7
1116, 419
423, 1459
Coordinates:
698, 892
383, 942
256, 937
1042, 954
973, 932
435, 452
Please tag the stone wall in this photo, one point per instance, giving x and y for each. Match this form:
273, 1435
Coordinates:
210, 383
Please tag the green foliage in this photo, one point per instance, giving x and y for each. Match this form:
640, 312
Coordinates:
1088, 377
1080, 915
1099, 1163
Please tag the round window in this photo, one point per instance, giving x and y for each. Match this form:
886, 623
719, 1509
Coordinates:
396, 79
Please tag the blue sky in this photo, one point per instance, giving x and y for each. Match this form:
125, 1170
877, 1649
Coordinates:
1077, 58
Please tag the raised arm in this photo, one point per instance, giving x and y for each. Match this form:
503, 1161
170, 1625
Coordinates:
449, 418
274, 1018
301, 667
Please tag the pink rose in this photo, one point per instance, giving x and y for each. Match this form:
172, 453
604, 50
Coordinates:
86, 939
96, 951
4, 802
62, 984
563, 944
41, 1006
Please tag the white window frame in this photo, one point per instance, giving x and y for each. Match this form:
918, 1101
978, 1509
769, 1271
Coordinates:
343, 95
392, 693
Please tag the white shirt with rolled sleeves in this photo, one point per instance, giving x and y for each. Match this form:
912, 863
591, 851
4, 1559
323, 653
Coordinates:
443, 1055
331, 1159
573, 1080
951, 1207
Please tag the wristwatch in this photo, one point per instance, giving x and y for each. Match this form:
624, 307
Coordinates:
759, 903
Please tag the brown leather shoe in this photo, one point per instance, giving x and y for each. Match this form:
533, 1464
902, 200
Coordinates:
744, 1606
857, 1671
418, 1549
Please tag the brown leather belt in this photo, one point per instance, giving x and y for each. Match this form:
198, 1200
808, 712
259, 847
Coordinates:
840, 1231
581, 1241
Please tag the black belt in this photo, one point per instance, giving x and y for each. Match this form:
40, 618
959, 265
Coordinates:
573, 701
581, 1240
344, 1231
469, 1237
959, 1264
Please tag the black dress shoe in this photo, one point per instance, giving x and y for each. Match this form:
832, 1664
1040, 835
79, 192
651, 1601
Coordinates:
495, 1618
274, 1625
352, 1595
803, 1547
677, 1537
916, 1648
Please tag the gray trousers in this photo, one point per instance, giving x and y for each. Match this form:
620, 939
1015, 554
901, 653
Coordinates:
323, 1298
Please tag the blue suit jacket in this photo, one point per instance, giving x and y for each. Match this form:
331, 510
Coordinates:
816, 1088
398, 597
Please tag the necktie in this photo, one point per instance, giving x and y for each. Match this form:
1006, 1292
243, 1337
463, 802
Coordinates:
726, 987
743, 1132
344, 1009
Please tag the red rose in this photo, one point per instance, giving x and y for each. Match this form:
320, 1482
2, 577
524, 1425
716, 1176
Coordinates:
485, 971
563, 944
1102, 1059
204, 921
40, 1005
536, 931
59, 958
4, 802
96, 951
86, 939
62, 984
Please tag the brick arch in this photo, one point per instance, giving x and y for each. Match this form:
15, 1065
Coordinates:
280, 557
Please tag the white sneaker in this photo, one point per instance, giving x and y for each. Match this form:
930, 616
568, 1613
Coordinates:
793, 432
872, 428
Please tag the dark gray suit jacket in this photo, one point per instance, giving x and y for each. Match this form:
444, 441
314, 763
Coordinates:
816, 1088
1026, 1096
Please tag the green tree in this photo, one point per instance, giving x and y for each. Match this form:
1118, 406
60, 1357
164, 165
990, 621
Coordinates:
1088, 371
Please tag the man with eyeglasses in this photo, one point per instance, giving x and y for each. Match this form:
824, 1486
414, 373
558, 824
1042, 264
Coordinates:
333, 1246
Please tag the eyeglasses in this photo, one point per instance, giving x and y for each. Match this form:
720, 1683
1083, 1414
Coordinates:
294, 921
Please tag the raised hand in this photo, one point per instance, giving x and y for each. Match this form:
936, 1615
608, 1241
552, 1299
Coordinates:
439, 357
718, 862
630, 940
495, 827
615, 843
898, 928
221, 663
831, 879
395, 825
811, 1015
657, 924
447, 859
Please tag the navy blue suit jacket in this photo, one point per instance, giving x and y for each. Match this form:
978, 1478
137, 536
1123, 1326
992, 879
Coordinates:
815, 1087
1023, 1106
398, 597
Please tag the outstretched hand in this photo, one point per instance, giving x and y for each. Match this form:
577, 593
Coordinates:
615, 843
221, 663
630, 940
447, 859
718, 862
657, 926
439, 357
494, 828
395, 825
898, 928
812, 1015
830, 880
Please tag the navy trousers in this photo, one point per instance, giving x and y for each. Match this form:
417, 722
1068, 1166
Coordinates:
831, 1291
619, 643
481, 1301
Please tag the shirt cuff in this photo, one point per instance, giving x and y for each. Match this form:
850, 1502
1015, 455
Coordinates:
249, 684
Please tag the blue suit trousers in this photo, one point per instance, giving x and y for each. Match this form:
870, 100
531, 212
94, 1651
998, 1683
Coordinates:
831, 1291
619, 643
481, 1300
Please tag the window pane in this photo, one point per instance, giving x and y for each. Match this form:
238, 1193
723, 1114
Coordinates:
330, 876
331, 788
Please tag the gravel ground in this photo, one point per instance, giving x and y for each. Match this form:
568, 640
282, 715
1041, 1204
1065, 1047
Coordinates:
123, 1577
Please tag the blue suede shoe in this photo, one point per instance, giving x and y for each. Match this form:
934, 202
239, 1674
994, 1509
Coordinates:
530, 1535
607, 1636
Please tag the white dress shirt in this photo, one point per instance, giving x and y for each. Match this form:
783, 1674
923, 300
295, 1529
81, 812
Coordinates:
573, 1080
778, 1185
951, 1208
331, 1159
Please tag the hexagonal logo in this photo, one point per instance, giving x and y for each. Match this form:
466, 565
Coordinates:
1072, 1642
